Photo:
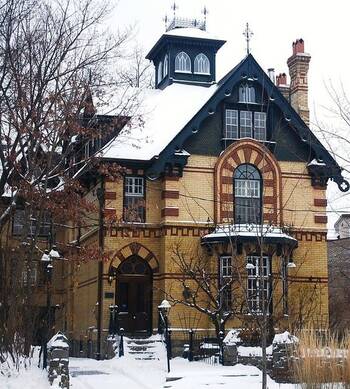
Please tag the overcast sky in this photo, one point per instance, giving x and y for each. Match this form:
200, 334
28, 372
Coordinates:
324, 26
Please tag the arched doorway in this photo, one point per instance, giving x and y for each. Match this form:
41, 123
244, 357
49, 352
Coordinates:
134, 295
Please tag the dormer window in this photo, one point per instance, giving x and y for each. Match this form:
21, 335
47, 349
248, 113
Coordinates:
183, 63
246, 94
201, 64
166, 66
160, 72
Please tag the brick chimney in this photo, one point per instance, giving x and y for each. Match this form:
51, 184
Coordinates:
298, 65
281, 82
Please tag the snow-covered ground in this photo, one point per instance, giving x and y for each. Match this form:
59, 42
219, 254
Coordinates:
125, 373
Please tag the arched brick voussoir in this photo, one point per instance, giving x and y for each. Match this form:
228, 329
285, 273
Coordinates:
135, 248
255, 153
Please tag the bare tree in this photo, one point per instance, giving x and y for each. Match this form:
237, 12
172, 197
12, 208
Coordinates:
54, 56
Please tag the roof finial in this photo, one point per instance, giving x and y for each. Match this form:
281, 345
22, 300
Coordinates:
205, 13
165, 20
174, 7
248, 33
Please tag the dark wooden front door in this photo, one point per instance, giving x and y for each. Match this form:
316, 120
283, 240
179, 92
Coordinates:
134, 297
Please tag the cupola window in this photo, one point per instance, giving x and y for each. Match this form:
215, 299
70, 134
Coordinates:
160, 72
201, 64
183, 63
246, 94
165, 66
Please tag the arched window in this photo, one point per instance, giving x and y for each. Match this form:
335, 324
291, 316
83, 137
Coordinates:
247, 190
201, 64
246, 94
160, 72
165, 66
182, 63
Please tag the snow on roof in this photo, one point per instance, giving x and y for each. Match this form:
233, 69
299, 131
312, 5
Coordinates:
248, 230
58, 340
191, 33
164, 113
314, 162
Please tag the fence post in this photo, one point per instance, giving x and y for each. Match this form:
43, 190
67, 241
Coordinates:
169, 345
190, 348
221, 339
121, 343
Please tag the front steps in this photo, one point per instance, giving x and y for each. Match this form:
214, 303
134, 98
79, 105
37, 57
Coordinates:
148, 349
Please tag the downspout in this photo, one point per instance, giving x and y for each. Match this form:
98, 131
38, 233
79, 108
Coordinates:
101, 200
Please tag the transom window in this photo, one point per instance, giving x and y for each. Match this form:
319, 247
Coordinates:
239, 124
258, 283
134, 202
201, 64
183, 63
246, 94
247, 190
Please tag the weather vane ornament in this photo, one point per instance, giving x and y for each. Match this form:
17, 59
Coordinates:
174, 7
248, 33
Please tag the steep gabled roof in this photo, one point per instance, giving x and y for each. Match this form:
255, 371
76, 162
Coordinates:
179, 110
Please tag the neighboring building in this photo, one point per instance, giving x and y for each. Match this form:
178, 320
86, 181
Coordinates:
339, 283
342, 226
212, 161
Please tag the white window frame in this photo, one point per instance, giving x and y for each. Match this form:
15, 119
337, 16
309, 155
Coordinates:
247, 188
225, 266
202, 64
231, 124
260, 126
254, 297
225, 276
183, 63
165, 66
160, 72
246, 124
246, 94
134, 189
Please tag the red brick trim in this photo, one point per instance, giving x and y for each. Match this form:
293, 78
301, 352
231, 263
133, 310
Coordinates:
227, 197
320, 202
109, 212
110, 195
170, 194
321, 219
269, 200
170, 212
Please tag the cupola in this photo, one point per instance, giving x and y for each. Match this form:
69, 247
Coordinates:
185, 53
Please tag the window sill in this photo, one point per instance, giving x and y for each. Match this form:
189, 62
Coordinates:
183, 71
202, 74
262, 141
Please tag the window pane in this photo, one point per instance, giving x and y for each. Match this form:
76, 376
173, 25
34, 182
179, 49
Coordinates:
260, 125
182, 63
231, 124
201, 64
258, 288
245, 124
246, 94
134, 204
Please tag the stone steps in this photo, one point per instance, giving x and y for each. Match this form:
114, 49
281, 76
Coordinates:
143, 348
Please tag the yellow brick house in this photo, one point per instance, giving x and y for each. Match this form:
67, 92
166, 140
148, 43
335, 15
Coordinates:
226, 170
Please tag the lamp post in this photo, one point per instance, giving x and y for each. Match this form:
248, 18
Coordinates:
47, 258
163, 310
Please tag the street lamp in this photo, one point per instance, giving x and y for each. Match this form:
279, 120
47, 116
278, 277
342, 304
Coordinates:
48, 257
163, 310
291, 264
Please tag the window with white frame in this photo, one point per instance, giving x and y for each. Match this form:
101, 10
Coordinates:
258, 283
246, 124
160, 72
246, 94
231, 124
247, 194
225, 282
260, 125
284, 276
201, 64
30, 276
166, 66
19, 223
134, 199
183, 63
